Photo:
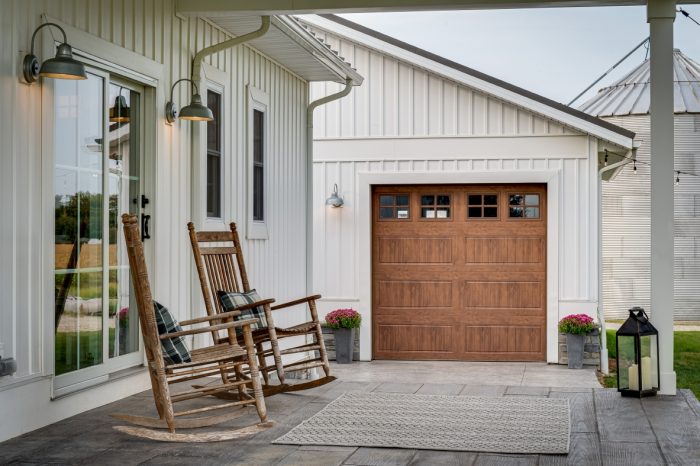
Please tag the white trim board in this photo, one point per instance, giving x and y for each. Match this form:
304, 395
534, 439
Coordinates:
470, 81
365, 181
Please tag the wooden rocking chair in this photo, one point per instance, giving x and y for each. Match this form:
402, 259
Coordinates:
226, 357
221, 268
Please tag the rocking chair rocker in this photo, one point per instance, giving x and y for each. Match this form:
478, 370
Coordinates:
225, 357
221, 268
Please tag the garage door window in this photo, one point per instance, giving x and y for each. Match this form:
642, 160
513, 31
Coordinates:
524, 205
435, 206
482, 206
394, 207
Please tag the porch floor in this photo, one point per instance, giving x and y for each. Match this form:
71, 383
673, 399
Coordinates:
606, 429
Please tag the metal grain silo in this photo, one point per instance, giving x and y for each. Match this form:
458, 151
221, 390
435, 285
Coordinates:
626, 199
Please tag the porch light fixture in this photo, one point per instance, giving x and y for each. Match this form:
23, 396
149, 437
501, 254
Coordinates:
62, 66
120, 113
334, 200
195, 111
637, 346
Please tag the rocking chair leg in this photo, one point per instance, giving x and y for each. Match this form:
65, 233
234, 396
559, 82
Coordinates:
319, 339
276, 354
241, 388
262, 364
255, 378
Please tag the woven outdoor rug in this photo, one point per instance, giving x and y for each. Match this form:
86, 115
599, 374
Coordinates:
437, 422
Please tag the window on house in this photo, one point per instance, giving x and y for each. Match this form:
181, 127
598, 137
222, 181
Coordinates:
394, 206
482, 205
258, 166
524, 205
435, 206
214, 151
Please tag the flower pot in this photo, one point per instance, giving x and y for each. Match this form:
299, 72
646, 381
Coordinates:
344, 341
574, 349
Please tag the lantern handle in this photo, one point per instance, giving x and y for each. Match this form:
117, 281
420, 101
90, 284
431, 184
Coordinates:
639, 315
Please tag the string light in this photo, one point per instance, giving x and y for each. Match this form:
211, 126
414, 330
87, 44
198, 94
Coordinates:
634, 165
606, 157
678, 178
678, 172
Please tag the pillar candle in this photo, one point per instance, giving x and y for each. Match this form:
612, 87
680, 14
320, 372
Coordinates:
633, 375
646, 373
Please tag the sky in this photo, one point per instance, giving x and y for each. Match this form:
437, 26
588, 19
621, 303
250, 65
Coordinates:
555, 52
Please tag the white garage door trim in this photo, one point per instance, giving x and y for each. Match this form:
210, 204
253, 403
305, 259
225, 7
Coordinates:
365, 181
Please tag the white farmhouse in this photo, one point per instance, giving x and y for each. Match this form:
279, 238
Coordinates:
470, 222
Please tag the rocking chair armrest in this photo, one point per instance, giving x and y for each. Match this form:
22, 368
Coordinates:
211, 328
262, 302
199, 320
296, 301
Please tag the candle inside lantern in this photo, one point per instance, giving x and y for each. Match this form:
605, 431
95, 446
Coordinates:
646, 373
633, 376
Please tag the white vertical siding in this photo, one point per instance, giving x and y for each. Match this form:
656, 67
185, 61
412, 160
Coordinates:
401, 99
626, 225
148, 28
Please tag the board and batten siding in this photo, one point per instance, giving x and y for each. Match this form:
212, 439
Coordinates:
406, 122
626, 225
151, 30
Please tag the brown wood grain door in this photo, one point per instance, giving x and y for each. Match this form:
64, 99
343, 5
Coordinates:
459, 272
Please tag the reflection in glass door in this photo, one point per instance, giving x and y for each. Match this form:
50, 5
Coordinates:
97, 177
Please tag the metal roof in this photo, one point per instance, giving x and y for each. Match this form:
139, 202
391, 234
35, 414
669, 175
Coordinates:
630, 95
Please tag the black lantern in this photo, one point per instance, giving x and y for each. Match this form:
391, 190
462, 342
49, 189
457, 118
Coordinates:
637, 345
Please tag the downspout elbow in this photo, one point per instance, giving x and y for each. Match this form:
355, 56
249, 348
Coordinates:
205, 52
324, 100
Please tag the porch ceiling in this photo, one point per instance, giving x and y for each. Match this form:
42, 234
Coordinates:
288, 43
364, 6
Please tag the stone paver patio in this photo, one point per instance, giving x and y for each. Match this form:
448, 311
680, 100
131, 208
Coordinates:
606, 429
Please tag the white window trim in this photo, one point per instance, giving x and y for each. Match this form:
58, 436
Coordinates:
257, 100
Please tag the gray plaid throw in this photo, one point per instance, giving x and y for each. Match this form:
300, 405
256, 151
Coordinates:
175, 350
231, 301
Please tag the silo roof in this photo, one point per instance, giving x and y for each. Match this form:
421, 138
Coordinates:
630, 95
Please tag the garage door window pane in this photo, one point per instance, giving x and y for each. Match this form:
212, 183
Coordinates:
435, 206
524, 205
393, 206
482, 206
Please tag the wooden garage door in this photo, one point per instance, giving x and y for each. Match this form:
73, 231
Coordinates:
459, 272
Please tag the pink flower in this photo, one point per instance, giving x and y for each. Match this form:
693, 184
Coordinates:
343, 318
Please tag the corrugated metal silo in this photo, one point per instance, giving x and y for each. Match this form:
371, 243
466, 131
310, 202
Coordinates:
626, 199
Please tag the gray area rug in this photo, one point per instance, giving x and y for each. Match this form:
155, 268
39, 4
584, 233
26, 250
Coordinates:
437, 422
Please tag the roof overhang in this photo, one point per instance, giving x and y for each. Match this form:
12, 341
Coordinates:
286, 42
277, 7
472, 78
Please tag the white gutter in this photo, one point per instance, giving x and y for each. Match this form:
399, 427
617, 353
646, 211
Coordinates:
601, 315
227, 44
310, 176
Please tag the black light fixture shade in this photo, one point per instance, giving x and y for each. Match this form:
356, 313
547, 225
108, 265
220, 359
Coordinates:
195, 111
62, 66
120, 113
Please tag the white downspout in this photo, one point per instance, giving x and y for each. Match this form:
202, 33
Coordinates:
601, 315
227, 44
310, 177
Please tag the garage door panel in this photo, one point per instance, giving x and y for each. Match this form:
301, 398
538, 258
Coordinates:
499, 316
415, 338
415, 250
501, 339
414, 293
504, 250
502, 294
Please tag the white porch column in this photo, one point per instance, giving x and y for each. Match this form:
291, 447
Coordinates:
660, 15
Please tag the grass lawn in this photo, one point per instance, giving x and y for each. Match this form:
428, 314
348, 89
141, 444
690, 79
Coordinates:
686, 346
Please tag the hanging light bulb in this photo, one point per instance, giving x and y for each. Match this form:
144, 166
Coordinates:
678, 178
634, 166
606, 158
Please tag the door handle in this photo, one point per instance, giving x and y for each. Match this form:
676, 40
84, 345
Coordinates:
145, 219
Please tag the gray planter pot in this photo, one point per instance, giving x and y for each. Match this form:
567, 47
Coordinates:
344, 341
574, 349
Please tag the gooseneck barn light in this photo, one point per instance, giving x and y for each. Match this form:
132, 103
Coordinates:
195, 111
335, 200
62, 66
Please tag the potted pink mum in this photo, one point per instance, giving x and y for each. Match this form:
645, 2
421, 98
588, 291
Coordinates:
576, 326
343, 322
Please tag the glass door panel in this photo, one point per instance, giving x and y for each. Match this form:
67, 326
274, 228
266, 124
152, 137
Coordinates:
97, 177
